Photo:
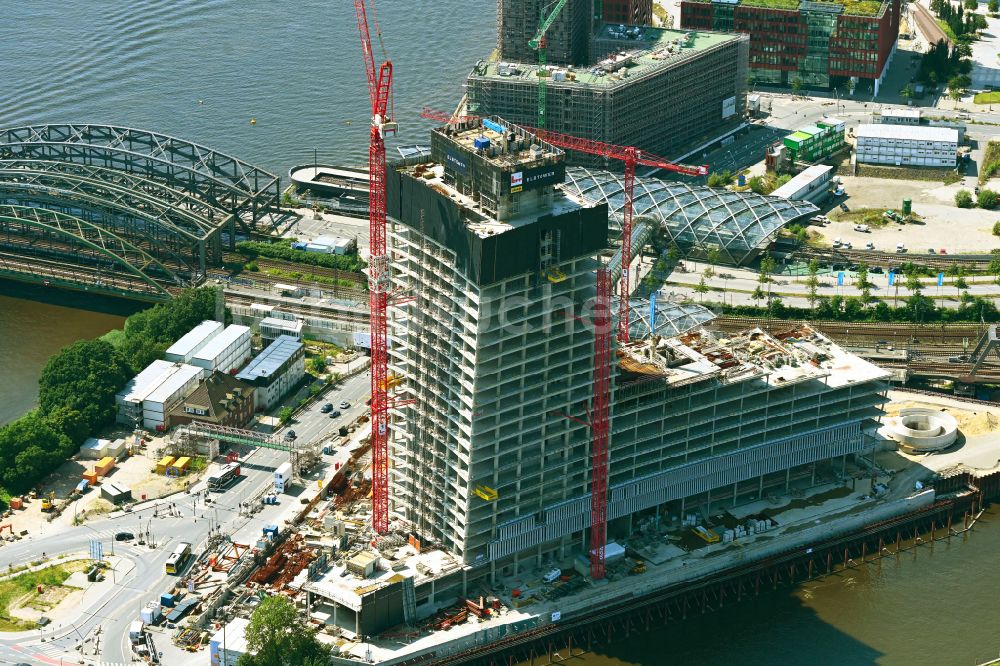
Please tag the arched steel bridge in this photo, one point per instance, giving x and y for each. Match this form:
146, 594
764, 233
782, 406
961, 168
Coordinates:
122, 210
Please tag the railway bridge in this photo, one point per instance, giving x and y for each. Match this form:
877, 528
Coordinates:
123, 211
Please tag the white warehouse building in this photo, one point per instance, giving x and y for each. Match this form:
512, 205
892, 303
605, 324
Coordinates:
907, 145
177, 386
226, 352
275, 370
129, 399
193, 342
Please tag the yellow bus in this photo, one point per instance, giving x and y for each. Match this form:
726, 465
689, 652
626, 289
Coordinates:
177, 559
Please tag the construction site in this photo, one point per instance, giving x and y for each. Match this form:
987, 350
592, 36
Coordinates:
662, 91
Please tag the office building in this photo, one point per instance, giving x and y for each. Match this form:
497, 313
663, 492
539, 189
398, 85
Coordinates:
665, 91
275, 371
818, 44
226, 352
492, 460
902, 145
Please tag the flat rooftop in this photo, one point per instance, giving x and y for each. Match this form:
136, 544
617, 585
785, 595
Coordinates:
901, 113
906, 132
221, 342
195, 338
181, 375
653, 49
799, 354
146, 381
480, 221
270, 360
849, 7
804, 179
347, 589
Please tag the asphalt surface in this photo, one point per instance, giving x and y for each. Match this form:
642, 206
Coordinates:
140, 577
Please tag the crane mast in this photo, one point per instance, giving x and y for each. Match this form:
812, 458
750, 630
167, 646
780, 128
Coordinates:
382, 125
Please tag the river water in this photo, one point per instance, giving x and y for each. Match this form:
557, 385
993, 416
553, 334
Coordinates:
201, 69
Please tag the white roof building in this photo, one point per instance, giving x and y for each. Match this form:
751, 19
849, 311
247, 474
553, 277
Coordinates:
193, 341
906, 133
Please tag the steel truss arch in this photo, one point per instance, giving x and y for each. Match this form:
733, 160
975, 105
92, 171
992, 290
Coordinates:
135, 260
160, 203
246, 191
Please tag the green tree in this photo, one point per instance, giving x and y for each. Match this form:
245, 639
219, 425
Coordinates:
914, 284
993, 6
702, 289
960, 284
720, 178
285, 414
30, 448
673, 253
812, 283
278, 637
84, 377
797, 84
971, 4
955, 94
963, 199
907, 92
317, 365
864, 284
994, 267
757, 294
987, 199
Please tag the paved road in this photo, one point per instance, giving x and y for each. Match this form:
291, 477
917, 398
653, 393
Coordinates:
139, 576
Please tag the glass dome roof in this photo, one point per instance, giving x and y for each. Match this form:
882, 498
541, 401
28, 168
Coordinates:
695, 217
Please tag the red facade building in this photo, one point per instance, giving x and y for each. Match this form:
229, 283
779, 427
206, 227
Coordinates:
822, 44
629, 12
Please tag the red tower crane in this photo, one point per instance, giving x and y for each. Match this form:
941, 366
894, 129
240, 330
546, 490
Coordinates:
632, 157
599, 425
382, 125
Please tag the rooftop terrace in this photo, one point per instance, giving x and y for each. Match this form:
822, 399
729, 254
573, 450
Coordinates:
849, 7
641, 53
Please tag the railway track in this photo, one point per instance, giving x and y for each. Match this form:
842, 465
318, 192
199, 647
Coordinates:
972, 262
329, 311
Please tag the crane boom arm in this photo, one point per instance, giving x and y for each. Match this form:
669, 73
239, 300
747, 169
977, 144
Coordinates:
366, 48
592, 147
546, 23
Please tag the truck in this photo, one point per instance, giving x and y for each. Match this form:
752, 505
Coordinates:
282, 477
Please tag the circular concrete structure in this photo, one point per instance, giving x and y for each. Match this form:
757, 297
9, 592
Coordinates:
923, 429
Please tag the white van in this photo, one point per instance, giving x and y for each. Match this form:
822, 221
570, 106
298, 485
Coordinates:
900, 248
863, 228
551, 575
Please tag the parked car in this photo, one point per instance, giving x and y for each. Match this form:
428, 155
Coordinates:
871, 246
847, 245
843, 207
931, 250
863, 228
942, 251
900, 248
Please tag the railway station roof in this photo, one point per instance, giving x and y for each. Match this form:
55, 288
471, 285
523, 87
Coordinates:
666, 319
695, 217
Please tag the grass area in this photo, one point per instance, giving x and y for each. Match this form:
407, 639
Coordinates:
991, 161
992, 97
947, 30
198, 464
308, 277
862, 7
15, 589
871, 216
772, 4
114, 337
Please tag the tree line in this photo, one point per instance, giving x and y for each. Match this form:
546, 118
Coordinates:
77, 387
282, 250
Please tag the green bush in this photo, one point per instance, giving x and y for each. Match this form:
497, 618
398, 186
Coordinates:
987, 199
963, 199
283, 251
996, 228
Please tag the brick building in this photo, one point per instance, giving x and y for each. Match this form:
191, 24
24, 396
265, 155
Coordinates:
823, 44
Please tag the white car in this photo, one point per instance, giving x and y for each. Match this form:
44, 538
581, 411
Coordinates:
863, 228
900, 248
869, 245
551, 575
847, 245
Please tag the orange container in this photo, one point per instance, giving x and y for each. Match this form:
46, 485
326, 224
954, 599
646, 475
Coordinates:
16, 503
91, 476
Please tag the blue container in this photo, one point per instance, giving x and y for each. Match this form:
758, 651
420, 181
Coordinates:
167, 600
481, 142
271, 530
741, 180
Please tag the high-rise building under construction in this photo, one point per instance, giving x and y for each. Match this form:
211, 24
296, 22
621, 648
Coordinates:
664, 91
496, 350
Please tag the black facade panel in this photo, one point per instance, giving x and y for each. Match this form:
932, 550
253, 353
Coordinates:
582, 232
